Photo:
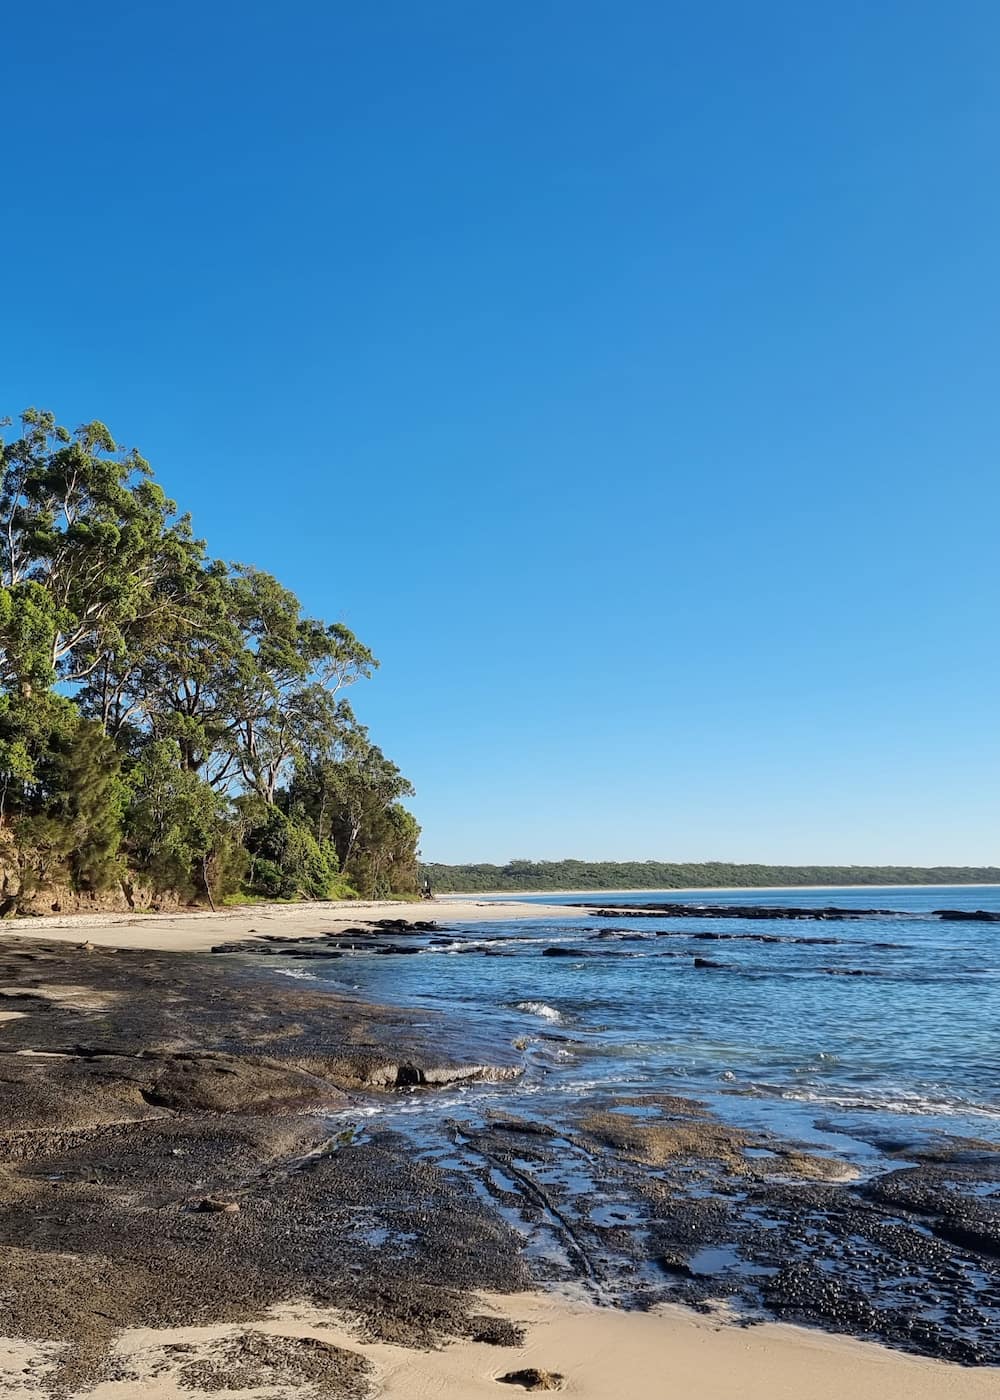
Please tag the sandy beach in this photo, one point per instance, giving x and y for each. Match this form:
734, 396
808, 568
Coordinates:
128, 1100
599, 1354
199, 931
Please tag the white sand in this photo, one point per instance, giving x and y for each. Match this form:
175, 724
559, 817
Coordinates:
196, 932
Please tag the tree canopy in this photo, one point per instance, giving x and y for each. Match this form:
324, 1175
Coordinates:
170, 722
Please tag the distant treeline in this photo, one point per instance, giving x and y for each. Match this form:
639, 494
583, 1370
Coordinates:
651, 874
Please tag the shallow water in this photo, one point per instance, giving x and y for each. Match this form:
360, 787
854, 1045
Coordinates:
615, 1187
774, 1038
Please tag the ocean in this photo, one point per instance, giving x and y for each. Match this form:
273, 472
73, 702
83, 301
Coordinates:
893, 1019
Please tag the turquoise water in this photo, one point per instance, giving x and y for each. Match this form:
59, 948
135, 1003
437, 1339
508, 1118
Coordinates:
774, 1037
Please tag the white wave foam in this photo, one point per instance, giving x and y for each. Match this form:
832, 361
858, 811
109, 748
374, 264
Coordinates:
893, 1102
540, 1008
298, 972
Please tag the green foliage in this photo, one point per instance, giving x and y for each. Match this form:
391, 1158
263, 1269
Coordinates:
286, 860
348, 790
525, 875
91, 806
156, 704
178, 832
61, 796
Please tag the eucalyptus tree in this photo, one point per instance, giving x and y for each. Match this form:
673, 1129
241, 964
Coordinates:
346, 789
292, 670
85, 537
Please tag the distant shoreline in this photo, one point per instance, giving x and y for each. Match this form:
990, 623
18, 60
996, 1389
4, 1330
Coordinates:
699, 889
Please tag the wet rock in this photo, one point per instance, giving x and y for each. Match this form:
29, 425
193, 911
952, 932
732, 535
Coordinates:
737, 911
804, 1290
710, 962
370, 1069
973, 1225
405, 926
661, 1141
675, 1264
978, 916
503, 1123
809, 1166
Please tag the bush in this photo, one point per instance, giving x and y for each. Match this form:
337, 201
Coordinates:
286, 860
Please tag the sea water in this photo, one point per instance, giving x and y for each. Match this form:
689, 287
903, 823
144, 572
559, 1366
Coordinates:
778, 1038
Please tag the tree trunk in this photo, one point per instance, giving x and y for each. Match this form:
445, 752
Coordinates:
208, 887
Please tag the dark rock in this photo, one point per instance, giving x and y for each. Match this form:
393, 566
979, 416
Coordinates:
404, 926
710, 962
495, 1331
675, 1264
531, 1378
741, 911
977, 916
227, 1084
973, 1226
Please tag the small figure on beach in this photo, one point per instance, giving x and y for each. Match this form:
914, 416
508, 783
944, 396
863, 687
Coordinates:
426, 891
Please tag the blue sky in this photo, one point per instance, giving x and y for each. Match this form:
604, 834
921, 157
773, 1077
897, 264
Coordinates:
625, 375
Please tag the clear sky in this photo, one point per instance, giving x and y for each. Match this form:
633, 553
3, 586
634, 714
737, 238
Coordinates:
625, 374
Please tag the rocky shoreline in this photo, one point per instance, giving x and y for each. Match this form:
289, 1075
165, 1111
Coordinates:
167, 1156
192, 1139
822, 914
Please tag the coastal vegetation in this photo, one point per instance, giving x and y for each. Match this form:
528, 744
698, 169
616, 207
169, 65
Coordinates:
172, 727
523, 875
